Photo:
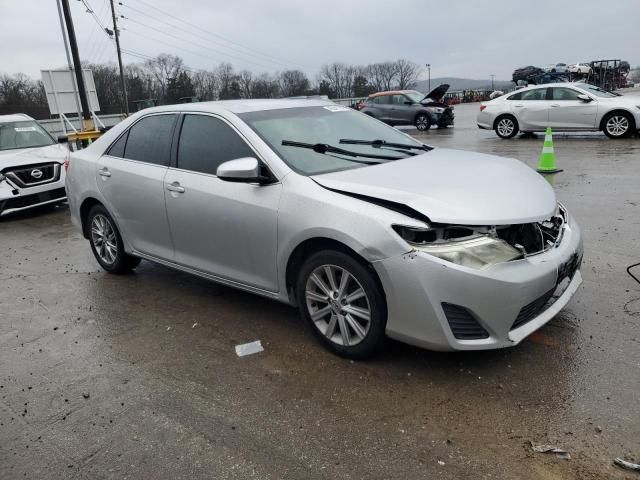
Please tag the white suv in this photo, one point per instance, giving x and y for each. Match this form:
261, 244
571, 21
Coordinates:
32, 169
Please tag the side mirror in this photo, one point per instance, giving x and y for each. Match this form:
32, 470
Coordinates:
584, 98
63, 139
245, 170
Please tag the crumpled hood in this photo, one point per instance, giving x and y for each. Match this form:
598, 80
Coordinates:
454, 186
27, 156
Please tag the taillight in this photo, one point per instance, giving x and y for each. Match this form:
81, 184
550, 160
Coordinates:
482, 107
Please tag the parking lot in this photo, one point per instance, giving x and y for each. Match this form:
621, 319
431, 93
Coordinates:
136, 376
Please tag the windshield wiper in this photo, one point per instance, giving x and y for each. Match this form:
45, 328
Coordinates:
324, 148
384, 143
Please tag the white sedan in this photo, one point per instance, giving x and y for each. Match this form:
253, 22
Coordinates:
564, 107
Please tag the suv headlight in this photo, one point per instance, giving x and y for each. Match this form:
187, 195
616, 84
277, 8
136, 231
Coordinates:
480, 251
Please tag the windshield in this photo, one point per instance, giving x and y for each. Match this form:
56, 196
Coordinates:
323, 125
599, 92
27, 134
416, 97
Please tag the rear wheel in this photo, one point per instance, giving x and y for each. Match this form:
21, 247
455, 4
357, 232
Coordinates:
106, 242
618, 125
423, 122
343, 303
506, 126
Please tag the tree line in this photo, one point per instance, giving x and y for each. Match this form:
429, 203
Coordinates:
166, 79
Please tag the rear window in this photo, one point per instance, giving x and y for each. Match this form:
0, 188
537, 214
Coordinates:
27, 134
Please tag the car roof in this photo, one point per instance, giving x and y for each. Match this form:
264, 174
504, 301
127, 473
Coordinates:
555, 84
240, 106
14, 117
390, 92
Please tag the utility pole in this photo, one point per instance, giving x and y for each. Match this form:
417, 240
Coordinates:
116, 32
429, 73
73, 45
66, 51
492, 75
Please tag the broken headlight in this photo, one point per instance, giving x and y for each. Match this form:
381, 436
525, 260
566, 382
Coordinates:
476, 251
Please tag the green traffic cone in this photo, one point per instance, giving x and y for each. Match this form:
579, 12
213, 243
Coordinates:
547, 163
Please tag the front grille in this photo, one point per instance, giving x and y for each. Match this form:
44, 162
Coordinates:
32, 175
462, 323
532, 310
33, 199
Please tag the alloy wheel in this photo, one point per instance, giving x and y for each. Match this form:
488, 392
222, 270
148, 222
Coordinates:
617, 125
103, 236
422, 122
505, 127
338, 305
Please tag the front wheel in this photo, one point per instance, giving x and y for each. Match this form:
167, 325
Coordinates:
618, 125
506, 127
106, 242
423, 122
341, 300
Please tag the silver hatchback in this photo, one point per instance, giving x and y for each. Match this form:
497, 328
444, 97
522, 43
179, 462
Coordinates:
369, 232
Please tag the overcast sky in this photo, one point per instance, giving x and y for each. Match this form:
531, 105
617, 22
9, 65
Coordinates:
462, 38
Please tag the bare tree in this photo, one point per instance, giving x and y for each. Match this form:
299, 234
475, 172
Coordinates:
246, 80
265, 87
407, 73
382, 76
206, 84
226, 79
293, 83
339, 77
164, 67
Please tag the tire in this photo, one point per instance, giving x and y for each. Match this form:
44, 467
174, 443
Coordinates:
618, 125
506, 126
353, 323
106, 242
423, 122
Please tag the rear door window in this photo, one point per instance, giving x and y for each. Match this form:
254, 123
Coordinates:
206, 142
563, 93
536, 94
149, 140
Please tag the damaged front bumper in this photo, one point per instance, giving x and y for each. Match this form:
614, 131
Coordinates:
439, 305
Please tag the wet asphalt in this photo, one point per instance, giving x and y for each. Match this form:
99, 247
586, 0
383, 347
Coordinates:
110, 377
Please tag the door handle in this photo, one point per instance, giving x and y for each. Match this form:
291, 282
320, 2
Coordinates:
104, 172
175, 187
555, 104
519, 105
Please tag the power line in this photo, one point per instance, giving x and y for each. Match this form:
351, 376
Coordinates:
190, 32
93, 40
174, 17
190, 42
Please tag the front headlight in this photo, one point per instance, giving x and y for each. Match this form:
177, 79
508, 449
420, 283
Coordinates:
478, 252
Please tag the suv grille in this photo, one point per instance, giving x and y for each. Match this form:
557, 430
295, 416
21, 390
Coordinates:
462, 323
32, 175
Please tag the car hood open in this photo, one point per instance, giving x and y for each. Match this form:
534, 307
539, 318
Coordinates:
437, 93
453, 186
28, 156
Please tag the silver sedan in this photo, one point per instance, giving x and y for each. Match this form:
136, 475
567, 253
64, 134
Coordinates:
565, 107
370, 233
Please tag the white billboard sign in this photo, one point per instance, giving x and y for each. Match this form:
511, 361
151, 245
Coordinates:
62, 95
